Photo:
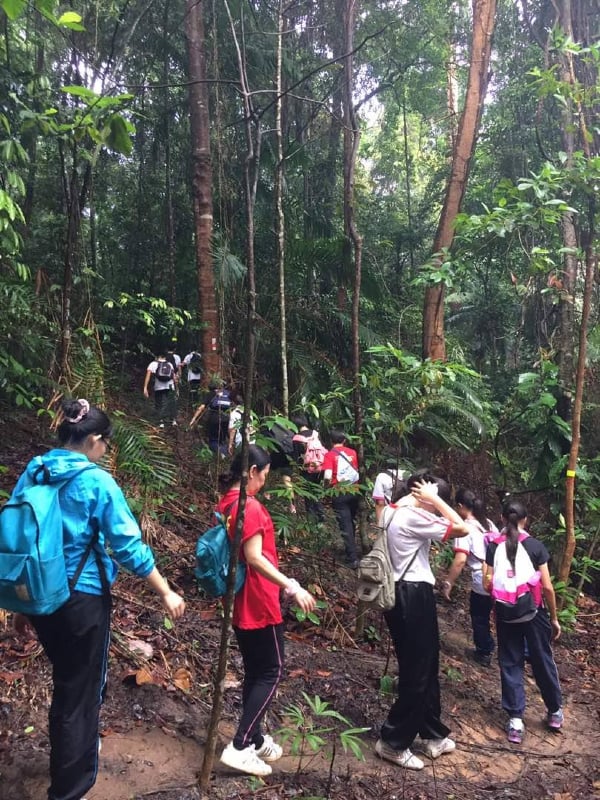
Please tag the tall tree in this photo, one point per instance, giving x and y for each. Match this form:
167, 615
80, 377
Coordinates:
484, 11
202, 183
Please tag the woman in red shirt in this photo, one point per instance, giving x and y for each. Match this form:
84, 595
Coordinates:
257, 620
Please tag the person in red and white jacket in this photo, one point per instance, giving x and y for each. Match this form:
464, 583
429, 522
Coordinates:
257, 619
340, 471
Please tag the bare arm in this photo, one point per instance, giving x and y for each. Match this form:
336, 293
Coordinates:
147, 382
197, 414
427, 493
173, 603
255, 559
460, 559
550, 599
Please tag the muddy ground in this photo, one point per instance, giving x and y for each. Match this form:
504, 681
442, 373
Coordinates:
157, 706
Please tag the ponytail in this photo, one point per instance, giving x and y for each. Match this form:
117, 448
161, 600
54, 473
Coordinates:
513, 512
475, 505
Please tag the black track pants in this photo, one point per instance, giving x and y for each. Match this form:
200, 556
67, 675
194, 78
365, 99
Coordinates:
75, 639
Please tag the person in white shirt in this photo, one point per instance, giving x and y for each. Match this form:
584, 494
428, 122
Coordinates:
383, 488
193, 362
163, 374
470, 550
411, 525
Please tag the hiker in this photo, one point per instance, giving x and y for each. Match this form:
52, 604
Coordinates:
516, 559
340, 471
234, 426
384, 486
216, 404
193, 363
257, 619
418, 519
175, 361
163, 373
281, 451
470, 550
309, 453
76, 636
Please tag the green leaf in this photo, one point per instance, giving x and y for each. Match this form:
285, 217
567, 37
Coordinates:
168, 624
72, 20
119, 138
13, 8
80, 91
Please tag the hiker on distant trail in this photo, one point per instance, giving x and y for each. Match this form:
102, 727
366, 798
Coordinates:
470, 550
76, 636
310, 454
257, 619
163, 373
412, 524
340, 471
516, 561
215, 406
175, 360
383, 487
193, 362
234, 427
282, 456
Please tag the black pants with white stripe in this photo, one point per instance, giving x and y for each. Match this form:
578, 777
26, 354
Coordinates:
262, 654
75, 638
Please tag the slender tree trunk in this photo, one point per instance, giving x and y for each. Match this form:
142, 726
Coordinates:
251, 173
352, 237
564, 569
279, 214
169, 216
434, 343
202, 184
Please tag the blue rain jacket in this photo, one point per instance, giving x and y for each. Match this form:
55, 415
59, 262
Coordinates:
93, 499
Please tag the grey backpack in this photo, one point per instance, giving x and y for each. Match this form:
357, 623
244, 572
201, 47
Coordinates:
376, 585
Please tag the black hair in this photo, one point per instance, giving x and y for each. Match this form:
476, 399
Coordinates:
300, 421
423, 475
257, 457
399, 489
94, 422
337, 436
474, 504
513, 512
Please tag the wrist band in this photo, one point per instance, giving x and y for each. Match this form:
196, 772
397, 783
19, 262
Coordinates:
292, 588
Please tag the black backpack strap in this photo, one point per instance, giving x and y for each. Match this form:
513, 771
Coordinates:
91, 546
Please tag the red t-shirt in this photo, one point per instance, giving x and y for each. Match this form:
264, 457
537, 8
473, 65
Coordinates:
331, 460
257, 603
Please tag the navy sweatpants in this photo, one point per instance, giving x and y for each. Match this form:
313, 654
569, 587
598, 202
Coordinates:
262, 654
413, 627
512, 640
75, 639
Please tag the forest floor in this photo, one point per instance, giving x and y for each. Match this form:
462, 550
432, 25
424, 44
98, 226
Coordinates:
158, 703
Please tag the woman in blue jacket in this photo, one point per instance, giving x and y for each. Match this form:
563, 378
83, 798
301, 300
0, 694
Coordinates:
76, 636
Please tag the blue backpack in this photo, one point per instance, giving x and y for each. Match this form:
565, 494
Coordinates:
213, 550
33, 574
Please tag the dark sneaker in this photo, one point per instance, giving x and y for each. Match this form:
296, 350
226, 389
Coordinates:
515, 731
556, 719
484, 659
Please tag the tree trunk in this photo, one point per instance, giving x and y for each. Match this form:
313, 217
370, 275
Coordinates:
251, 172
169, 217
434, 344
202, 184
279, 213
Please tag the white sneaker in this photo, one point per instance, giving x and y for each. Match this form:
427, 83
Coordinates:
269, 750
245, 760
434, 748
402, 758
